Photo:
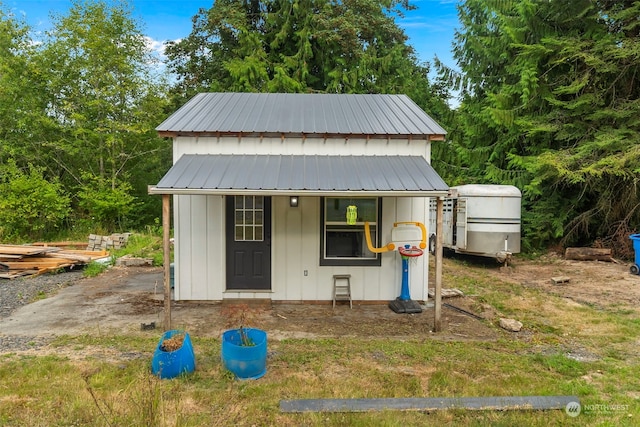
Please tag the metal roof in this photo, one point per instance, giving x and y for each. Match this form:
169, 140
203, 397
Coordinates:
306, 114
410, 176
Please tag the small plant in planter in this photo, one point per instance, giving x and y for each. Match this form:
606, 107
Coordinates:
241, 315
244, 349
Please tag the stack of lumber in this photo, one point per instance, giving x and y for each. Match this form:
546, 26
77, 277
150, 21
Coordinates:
27, 260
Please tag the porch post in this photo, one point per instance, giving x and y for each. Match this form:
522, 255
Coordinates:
166, 249
437, 325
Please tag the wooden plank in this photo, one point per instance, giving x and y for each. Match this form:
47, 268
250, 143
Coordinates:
38, 263
25, 249
560, 280
10, 257
47, 260
75, 257
499, 403
18, 273
61, 244
92, 254
166, 249
44, 259
52, 269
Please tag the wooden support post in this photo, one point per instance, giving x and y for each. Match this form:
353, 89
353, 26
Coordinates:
166, 248
437, 325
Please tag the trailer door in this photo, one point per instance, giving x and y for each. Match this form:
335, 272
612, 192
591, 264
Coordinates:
461, 223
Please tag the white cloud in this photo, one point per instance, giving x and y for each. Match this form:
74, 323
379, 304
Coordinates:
157, 47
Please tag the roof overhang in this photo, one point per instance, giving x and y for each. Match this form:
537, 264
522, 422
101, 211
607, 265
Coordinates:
283, 135
307, 175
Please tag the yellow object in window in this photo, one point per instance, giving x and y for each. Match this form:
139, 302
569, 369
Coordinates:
352, 214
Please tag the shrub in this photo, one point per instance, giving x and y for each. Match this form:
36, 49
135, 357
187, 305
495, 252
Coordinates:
30, 206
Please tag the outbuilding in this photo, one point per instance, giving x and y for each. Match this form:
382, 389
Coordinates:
262, 185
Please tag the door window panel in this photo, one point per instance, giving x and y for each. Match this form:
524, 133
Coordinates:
248, 217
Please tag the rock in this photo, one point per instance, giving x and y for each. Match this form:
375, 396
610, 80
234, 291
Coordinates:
510, 325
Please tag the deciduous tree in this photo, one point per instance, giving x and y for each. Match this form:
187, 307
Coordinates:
104, 102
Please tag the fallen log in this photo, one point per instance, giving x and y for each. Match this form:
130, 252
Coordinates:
588, 254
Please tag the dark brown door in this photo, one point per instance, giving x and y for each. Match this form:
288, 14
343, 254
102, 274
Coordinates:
248, 238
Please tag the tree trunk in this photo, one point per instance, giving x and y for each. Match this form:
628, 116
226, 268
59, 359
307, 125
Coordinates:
588, 254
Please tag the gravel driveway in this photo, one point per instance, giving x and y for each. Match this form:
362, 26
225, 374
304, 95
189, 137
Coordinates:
16, 293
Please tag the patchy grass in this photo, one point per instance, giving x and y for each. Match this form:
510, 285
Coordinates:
40, 295
78, 385
144, 245
94, 269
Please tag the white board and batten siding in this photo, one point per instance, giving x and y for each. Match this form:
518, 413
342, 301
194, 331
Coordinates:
199, 229
200, 272
299, 146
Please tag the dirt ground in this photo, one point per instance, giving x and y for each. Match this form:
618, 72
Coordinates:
595, 283
124, 299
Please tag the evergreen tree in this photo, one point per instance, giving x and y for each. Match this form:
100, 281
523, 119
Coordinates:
551, 104
348, 46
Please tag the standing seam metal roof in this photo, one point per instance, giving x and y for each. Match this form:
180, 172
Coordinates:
309, 114
224, 173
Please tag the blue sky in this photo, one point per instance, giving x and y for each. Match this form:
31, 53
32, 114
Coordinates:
430, 28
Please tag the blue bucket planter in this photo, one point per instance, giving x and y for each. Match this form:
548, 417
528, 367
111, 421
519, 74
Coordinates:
170, 364
245, 362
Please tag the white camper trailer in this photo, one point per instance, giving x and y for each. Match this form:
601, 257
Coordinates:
481, 220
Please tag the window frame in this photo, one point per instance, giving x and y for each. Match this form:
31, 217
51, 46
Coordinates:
348, 261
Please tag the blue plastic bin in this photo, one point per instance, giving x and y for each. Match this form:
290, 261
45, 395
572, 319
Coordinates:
635, 268
245, 362
170, 364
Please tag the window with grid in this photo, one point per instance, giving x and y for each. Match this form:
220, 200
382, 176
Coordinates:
249, 218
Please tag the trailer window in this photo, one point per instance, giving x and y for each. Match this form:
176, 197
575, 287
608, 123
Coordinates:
344, 243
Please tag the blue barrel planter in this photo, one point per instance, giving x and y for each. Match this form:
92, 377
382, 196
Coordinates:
635, 268
170, 364
245, 362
